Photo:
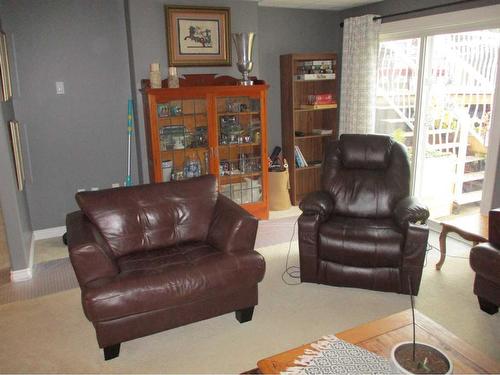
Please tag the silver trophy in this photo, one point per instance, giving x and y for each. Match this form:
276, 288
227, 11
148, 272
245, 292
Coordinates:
244, 45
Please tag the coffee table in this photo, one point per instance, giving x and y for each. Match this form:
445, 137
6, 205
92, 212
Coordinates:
379, 336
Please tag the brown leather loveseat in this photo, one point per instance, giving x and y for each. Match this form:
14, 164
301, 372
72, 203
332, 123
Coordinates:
154, 257
363, 229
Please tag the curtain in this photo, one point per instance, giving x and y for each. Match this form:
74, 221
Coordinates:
359, 75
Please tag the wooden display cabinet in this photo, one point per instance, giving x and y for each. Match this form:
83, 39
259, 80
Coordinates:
299, 120
210, 125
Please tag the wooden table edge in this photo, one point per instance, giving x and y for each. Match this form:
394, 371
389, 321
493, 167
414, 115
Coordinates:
386, 324
465, 349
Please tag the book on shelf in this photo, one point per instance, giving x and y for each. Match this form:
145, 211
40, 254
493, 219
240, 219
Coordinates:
318, 106
314, 76
316, 62
300, 160
297, 161
320, 99
322, 131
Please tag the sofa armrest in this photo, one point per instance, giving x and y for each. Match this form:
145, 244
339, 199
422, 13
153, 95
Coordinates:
485, 261
494, 227
90, 256
414, 250
232, 228
410, 210
317, 203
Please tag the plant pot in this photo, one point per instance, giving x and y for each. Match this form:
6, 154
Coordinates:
402, 361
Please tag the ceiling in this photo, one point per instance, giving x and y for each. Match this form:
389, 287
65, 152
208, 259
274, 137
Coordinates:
315, 4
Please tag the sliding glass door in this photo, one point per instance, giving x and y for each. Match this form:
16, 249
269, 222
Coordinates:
435, 94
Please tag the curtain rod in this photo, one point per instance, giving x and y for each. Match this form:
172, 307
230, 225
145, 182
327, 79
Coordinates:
418, 10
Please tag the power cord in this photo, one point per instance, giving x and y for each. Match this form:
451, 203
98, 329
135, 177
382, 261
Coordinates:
291, 271
447, 255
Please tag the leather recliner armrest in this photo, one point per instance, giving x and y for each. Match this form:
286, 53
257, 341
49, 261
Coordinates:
90, 255
232, 228
410, 210
317, 203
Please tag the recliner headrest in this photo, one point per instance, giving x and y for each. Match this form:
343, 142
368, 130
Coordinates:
365, 151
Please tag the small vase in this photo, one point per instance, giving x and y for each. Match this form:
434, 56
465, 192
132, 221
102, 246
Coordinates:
173, 79
155, 76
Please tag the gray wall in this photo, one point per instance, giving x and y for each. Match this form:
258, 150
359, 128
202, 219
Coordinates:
14, 203
279, 31
283, 31
147, 40
101, 49
76, 140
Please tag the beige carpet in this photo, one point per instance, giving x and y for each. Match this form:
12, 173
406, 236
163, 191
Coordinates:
50, 334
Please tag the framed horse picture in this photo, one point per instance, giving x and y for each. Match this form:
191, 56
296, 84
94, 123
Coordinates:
198, 36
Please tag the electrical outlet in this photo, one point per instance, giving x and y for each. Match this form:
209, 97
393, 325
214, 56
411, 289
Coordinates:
115, 185
94, 188
60, 88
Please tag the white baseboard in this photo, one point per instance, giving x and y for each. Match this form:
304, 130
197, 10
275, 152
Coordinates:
21, 275
43, 234
27, 273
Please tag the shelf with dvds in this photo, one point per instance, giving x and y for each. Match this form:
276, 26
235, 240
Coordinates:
308, 116
214, 127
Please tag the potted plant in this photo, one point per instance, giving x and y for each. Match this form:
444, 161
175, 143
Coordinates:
413, 357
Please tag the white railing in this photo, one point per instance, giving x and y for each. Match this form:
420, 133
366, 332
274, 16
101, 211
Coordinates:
463, 74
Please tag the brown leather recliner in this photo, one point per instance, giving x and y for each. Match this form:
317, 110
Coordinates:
363, 229
154, 257
485, 261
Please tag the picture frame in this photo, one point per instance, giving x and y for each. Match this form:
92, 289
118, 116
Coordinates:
15, 138
6, 84
198, 36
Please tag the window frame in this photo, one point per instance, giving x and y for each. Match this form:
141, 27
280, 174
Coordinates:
481, 18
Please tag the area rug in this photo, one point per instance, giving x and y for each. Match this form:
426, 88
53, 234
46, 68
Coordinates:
331, 355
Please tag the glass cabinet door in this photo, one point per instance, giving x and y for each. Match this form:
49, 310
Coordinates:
239, 148
183, 132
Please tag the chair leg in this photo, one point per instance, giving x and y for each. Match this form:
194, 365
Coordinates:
111, 352
244, 315
487, 306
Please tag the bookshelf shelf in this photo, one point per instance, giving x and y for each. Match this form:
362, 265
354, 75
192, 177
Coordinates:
314, 109
311, 136
294, 117
315, 166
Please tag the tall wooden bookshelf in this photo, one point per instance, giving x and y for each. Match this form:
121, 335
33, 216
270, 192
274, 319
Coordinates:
298, 120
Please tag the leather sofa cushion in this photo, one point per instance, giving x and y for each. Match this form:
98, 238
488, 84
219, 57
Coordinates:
163, 278
361, 242
365, 192
147, 217
370, 151
382, 278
